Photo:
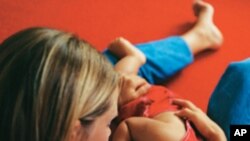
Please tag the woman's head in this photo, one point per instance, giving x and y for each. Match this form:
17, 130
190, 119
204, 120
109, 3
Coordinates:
48, 80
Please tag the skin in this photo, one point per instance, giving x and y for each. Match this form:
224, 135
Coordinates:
205, 34
132, 86
208, 128
99, 130
140, 129
166, 127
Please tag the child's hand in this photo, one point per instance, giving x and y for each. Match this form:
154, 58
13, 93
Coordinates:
132, 86
208, 128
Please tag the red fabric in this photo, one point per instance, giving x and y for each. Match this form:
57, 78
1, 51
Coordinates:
100, 21
190, 134
156, 101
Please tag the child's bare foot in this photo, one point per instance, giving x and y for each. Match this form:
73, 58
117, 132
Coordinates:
122, 47
205, 34
205, 13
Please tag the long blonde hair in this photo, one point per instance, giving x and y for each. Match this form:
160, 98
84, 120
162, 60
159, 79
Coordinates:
49, 79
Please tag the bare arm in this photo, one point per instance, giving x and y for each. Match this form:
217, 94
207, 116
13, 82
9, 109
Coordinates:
208, 128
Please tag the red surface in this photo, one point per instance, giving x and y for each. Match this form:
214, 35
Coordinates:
100, 21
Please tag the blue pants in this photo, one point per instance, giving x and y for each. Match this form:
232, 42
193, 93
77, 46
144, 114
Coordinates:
164, 58
230, 101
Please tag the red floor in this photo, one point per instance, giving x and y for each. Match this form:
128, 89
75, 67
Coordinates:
101, 21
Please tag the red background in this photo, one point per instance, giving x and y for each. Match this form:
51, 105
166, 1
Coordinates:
100, 21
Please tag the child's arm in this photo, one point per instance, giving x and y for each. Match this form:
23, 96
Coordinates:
208, 128
131, 58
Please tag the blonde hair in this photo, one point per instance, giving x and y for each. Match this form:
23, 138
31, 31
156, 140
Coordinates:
49, 79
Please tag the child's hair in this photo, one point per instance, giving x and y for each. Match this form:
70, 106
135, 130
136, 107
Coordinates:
48, 80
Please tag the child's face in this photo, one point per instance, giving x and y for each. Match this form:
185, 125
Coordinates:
100, 130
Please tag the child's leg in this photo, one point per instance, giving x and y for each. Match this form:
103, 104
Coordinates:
229, 103
205, 34
131, 57
168, 56
145, 129
122, 48
163, 61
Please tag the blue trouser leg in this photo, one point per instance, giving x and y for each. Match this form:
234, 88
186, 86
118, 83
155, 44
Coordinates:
164, 58
230, 102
